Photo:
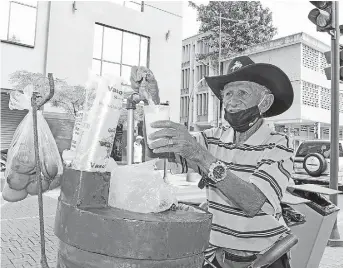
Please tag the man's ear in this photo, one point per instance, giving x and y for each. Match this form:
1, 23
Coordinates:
267, 101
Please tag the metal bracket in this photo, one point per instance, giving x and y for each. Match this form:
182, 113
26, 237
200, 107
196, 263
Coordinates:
132, 101
74, 6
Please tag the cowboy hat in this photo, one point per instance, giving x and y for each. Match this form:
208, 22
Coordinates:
244, 69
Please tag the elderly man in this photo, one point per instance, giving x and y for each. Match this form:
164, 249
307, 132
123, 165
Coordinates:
245, 167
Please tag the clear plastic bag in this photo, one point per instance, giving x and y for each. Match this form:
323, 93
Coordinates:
140, 188
20, 172
99, 126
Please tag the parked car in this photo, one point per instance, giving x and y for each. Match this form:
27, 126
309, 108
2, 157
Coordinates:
312, 159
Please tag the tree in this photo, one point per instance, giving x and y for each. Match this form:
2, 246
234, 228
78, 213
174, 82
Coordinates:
70, 98
249, 24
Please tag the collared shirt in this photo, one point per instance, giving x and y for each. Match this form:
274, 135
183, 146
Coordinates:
265, 160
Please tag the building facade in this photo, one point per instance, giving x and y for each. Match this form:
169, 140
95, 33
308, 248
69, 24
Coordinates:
194, 92
301, 57
69, 38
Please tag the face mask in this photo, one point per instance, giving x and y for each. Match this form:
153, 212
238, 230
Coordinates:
241, 121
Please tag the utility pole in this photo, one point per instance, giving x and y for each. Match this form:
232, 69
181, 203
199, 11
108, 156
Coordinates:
219, 65
325, 17
335, 75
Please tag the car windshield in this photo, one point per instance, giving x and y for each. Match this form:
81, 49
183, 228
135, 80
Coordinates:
317, 147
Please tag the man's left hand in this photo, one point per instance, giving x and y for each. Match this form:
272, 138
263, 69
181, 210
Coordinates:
175, 138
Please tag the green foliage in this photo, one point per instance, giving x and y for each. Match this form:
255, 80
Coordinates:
249, 24
138, 114
69, 98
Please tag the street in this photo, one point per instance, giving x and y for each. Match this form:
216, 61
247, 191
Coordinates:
20, 239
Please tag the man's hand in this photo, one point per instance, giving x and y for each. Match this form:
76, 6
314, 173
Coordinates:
175, 138
144, 83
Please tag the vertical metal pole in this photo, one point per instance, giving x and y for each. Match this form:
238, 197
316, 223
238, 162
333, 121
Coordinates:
43, 261
335, 64
165, 170
131, 106
220, 42
190, 110
165, 162
219, 62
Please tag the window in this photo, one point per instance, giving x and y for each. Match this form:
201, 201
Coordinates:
135, 5
116, 51
182, 73
18, 22
184, 106
206, 104
188, 72
181, 107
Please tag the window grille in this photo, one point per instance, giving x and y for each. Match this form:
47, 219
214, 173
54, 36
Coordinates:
310, 58
304, 128
115, 51
310, 96
325, 96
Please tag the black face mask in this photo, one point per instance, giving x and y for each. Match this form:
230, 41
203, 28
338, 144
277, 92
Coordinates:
241, 121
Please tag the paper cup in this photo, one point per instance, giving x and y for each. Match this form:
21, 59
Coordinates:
153, 113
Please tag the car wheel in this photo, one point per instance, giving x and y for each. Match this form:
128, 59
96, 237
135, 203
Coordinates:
315, 164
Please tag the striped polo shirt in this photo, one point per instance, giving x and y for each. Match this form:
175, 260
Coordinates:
265, 160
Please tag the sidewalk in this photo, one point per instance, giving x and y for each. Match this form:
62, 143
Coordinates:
20, 238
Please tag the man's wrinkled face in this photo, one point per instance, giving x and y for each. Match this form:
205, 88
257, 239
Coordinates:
241, 95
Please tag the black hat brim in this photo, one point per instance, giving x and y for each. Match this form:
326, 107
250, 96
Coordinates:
264, 74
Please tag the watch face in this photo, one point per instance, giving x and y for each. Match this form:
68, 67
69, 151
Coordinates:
218, 172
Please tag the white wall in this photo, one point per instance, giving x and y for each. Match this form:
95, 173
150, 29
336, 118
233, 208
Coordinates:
71, 41
14, 57
313, 113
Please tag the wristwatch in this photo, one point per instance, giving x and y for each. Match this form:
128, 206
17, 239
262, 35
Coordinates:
217, 172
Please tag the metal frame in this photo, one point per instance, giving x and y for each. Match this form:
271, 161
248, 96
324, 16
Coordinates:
121, 52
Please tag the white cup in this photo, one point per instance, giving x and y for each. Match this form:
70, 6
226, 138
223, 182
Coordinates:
153, 113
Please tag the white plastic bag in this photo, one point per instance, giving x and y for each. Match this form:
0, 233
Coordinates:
81, 120
140, 188
20, 171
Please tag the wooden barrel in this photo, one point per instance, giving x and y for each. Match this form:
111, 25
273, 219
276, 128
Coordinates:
92, 234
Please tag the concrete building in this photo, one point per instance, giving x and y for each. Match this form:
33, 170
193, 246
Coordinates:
301, 57
70, 37
205, 114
